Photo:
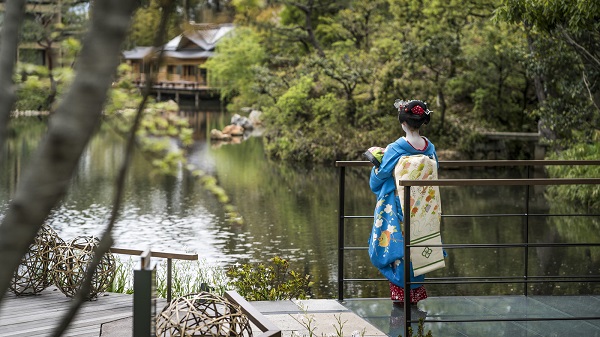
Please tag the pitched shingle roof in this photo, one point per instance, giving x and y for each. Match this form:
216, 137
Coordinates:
137, 53
197, 43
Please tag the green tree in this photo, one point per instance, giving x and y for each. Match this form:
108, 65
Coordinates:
496, 83
346, 73
355, 27
50, 25
345, 62
231, 69
145, 24
587, 196
160, 124
432, 36
563, 37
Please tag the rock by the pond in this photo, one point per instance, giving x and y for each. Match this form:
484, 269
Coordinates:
255, 117
234, 130
242, 121
218, 135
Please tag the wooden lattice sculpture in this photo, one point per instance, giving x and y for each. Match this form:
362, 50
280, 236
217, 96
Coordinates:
34, 272
72, 263
202, 314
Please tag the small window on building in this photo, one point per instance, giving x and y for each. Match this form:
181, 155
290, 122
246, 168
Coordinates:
202, 78
189, 70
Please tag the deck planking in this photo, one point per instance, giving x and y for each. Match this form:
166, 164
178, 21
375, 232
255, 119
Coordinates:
38, 315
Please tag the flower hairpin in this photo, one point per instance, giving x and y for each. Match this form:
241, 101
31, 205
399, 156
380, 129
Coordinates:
399, 103
417, 109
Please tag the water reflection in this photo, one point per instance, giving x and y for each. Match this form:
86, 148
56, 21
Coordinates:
291, 212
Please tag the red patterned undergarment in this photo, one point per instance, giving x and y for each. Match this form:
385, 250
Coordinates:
416, 295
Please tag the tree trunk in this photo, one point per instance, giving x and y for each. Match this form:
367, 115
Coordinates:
53, 84
48, 175
308, 26
540, 92
13, 18
442, 104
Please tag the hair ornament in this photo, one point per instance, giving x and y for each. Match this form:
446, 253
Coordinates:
414, 107
417, 110
398, 104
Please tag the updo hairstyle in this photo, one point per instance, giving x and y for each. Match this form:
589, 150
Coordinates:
414, 112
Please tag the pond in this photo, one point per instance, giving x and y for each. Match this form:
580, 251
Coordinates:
291, 212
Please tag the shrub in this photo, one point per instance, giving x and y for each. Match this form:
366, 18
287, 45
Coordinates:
269, 282
585, 195
32, 94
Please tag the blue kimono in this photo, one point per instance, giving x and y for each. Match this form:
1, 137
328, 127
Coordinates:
386, 248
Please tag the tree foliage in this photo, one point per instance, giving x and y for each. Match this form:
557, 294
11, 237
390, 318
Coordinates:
145, 24
146, 19
234, 62
564, 60
587, 196
163, 135
345, 62
51, 27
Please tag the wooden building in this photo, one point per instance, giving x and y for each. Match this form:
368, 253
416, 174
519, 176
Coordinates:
181, 71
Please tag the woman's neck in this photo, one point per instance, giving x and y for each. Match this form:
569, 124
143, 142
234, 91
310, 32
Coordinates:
413, 137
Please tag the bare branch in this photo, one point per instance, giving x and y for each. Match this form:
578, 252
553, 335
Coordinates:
106, 241
586, 52
13, 16
587, 86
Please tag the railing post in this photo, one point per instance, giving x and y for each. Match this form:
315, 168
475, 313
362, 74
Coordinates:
144, 298
169, 279
406, 220
526, 233
341, 234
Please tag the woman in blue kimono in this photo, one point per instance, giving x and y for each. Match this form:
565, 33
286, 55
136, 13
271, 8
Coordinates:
386, 244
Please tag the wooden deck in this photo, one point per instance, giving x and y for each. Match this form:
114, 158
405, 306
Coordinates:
38, 315
178, 89
494, 316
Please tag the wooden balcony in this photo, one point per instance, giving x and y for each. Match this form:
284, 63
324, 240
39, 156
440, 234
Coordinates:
180, 89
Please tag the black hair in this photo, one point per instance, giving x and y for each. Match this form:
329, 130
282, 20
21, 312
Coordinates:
414, 112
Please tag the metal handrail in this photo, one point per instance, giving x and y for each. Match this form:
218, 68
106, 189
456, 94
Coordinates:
483, 163
525, 279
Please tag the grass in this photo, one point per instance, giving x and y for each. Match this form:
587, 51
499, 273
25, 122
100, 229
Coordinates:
187, 277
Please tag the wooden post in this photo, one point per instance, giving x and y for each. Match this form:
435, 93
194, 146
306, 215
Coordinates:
144, 298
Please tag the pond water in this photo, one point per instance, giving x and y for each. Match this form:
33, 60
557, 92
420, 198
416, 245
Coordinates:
291, 212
